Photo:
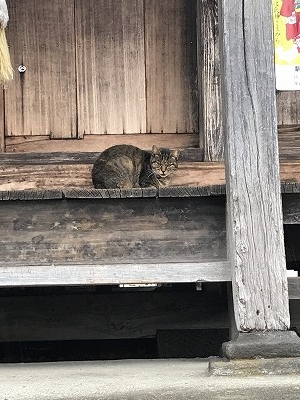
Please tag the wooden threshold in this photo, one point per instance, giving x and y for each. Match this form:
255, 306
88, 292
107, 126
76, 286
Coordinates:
97, 143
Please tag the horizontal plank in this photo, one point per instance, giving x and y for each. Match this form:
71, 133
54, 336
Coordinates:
176, 192
97, 143
164, 192
118, 231
19, 159
42, 194
60, 176
288, 136
88, 193
114, 315
113, 274
196, 191
191, 174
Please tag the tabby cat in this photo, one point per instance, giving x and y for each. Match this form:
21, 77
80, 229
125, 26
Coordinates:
126, 166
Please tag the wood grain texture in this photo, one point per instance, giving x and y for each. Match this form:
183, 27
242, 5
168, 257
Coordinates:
2, 121
52, 176
255, 226
110, 193
14, 159
111, 66
59, 175
289, 142
31, 195
108, 316
113, 274
119, 231
210, 121
40, 144
288, 107
42, 101
171, 66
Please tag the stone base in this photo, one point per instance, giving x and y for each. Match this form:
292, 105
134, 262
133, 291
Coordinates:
279, 344
275, 366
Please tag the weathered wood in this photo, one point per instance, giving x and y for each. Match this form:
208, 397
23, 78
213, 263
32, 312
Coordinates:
20, 172
14, 159
2, 120
40, 144
171, 66
119, 231
31, 195
42, 101
64, 176
255, 226
184, 191
111, 66
30, 177
108, 316
113, 274
210, 121
288, 143
288, 110
110, 193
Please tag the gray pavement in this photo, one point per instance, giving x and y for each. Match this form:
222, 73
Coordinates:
138, 379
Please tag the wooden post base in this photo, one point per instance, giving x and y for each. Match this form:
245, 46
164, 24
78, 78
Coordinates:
263, 345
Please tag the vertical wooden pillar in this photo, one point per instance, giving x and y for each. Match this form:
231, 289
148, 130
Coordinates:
210, 118
254, 212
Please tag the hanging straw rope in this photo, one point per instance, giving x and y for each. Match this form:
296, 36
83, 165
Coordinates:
6, 70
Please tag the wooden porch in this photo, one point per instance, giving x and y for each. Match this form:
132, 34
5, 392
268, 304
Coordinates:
58, 230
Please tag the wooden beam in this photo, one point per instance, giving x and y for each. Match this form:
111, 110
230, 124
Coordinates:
87, 157
43, 144
118, 231
255, 226
113, 274
210, 118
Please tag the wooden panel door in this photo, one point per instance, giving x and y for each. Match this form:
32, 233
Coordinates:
42, 101
171, 66
111, 66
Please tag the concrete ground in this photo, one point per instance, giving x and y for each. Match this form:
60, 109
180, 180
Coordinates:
137, 379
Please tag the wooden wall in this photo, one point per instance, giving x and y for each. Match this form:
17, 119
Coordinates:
42, 101
120, 67
101, 67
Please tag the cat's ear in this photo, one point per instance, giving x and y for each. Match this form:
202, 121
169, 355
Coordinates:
155, 150
175, 153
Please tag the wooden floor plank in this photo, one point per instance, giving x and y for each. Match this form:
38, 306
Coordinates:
59, 176
42, 144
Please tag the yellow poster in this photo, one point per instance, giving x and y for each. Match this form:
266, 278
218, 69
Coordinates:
286, 17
